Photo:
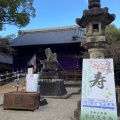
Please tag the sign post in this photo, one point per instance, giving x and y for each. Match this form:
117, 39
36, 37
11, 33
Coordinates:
98, 100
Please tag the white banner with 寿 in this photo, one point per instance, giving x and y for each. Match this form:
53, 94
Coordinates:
98, 100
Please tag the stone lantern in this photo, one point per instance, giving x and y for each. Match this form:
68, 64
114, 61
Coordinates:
94, 20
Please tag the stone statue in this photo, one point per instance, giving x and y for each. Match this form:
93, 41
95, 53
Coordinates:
51, 80
50, 56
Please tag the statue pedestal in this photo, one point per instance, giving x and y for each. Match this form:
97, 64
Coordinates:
51, 81
52, 87
19, 100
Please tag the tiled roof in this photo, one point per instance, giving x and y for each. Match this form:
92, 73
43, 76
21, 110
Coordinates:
58, 35
4, 58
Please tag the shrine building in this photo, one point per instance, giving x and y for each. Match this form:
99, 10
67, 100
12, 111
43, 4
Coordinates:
65, 41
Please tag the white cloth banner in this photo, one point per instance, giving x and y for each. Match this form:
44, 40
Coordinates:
32, 82
98, 100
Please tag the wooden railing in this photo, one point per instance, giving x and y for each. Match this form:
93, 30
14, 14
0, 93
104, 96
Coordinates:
72, 75
77, 76
68, 76
8, 77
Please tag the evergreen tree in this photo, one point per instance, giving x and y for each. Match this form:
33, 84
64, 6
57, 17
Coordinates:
16, 12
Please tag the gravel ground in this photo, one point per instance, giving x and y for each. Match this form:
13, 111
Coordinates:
56, 109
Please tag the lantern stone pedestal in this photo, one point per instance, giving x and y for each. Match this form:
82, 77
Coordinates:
118, 100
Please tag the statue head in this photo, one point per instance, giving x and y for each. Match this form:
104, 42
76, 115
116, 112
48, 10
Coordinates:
47, 51
48, 54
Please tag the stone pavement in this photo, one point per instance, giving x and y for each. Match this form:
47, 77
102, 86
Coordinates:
9, 87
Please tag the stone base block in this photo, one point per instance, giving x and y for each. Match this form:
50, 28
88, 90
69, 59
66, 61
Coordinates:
53, 87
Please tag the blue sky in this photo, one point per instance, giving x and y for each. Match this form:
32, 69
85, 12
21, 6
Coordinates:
57, 13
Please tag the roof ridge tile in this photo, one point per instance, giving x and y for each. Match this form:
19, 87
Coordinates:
48, 29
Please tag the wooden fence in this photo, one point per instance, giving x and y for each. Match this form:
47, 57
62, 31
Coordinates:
8, 77
72, 75
68, 76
